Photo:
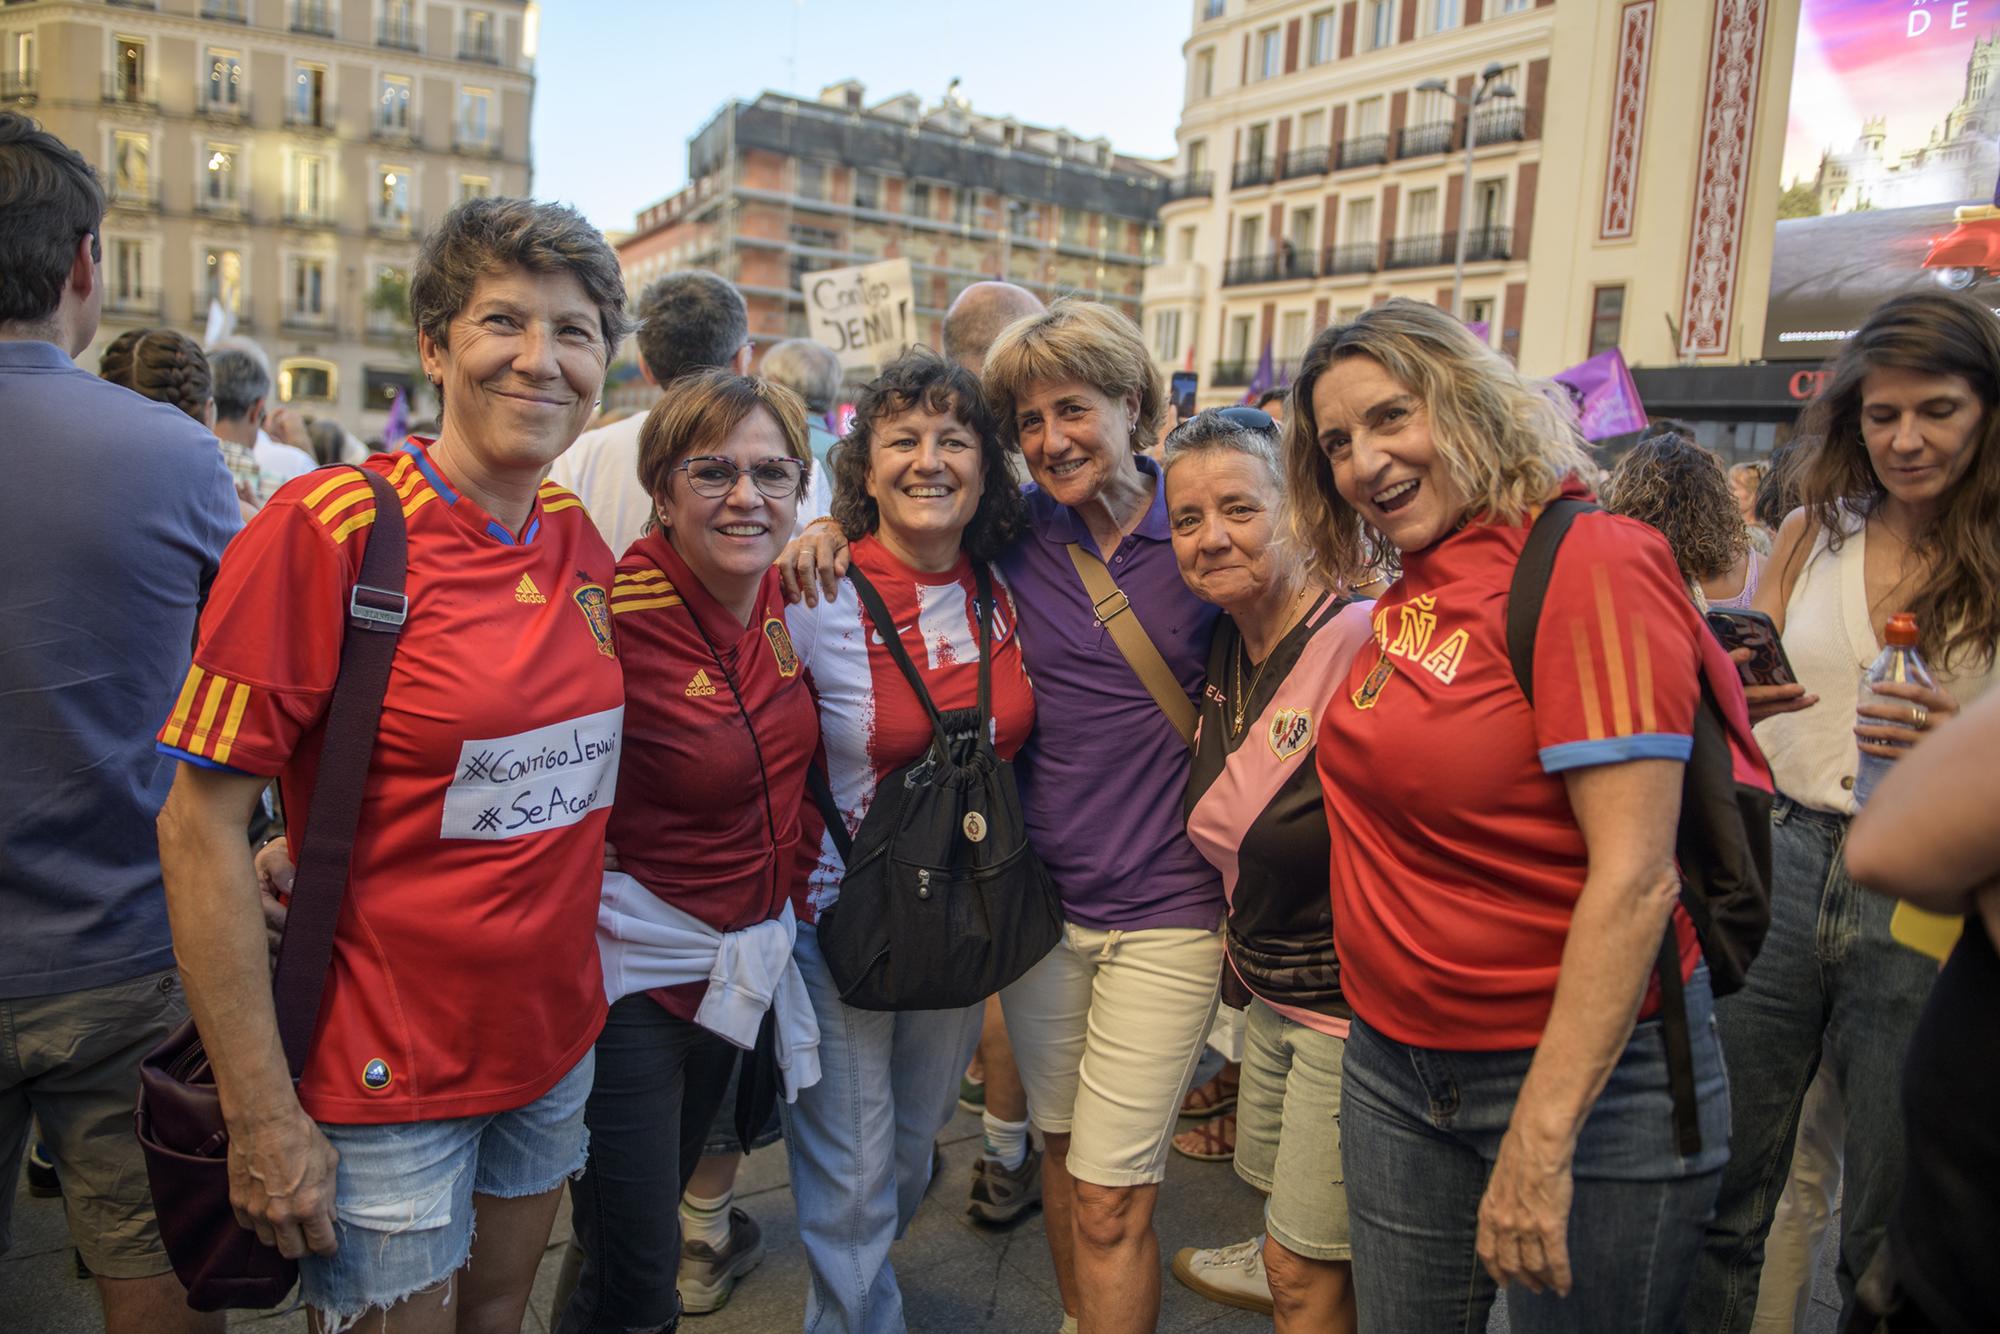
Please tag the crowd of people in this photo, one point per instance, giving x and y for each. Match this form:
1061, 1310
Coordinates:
1352, 714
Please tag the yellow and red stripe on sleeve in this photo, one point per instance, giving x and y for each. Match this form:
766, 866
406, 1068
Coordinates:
206, 716
556, 498
640, 590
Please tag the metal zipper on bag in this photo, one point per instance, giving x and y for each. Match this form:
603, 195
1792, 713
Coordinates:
923, 883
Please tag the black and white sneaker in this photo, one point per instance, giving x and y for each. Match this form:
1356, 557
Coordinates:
708, 1276
1000, 1196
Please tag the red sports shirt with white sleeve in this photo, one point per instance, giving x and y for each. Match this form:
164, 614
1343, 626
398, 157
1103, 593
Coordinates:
870, 720
1456, 860
464, 978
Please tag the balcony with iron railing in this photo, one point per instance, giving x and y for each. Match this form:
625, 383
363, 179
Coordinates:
299, 213
304, 319
312, 17
232, 111
226, 11
1486, 243
395, 131
17, 86
1230, 374
393, 222
1419, 251
1190, 185
198, 310
122, 89
1366, 150
312, 119
400, 34
481, 47
1281, 266
1355, 257
1499, 125
133, 4
1421, 140
229, 205
1311, 161
134, 304
138, 196
475, 140
1253, 171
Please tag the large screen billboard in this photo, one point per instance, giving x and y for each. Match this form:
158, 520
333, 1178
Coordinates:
1891, 170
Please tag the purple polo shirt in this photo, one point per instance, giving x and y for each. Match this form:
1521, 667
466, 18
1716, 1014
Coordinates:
1104, 775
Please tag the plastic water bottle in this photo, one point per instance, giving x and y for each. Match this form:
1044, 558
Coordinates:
1898, 661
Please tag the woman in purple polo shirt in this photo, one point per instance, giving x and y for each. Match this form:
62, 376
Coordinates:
1108, 1028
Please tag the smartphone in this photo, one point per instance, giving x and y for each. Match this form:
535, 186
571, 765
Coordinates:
1755, 631
1183, 384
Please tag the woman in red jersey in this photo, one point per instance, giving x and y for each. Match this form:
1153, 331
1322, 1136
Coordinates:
447, 1077
696, 928
1502, 874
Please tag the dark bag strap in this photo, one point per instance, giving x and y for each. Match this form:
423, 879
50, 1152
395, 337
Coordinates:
1525, 597
376, 610
829, 811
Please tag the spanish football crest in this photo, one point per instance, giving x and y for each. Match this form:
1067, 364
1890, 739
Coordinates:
596, 608
1291, 732
781, 647
1365, 697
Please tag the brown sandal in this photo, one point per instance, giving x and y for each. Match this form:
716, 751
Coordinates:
1210, 1142
1214, 1097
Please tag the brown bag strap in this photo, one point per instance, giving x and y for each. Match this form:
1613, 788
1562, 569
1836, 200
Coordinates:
1114, 612
376, 609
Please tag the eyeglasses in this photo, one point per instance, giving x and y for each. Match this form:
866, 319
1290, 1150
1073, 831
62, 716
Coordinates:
714, 477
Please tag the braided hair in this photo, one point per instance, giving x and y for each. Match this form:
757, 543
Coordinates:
164, 365
115, 362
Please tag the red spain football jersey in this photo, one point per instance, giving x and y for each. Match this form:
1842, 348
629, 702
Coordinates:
708, 813
870, 719
1456, 860
464, 976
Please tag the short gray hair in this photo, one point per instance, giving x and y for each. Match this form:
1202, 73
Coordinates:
242, 375
1214, 432
808, 369
482, 236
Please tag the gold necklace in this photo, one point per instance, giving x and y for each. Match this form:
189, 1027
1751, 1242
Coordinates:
1239, 701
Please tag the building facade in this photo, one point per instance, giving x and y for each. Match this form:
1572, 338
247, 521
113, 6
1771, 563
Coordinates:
280, 158
780, 187
1315, 177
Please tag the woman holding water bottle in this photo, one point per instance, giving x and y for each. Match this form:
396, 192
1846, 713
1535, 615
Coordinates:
1890, 560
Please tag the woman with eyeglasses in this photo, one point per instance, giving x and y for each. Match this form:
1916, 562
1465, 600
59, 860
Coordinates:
696, 926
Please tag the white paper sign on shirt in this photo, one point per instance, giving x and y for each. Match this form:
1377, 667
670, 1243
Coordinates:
866, 314
553, 776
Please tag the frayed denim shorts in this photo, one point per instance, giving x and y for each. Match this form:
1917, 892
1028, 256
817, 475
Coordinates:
403, 1194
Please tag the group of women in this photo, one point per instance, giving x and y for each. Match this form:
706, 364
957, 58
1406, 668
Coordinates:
1445, 903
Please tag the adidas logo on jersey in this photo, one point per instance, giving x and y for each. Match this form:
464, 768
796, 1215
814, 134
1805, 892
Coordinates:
699, 685
525, 591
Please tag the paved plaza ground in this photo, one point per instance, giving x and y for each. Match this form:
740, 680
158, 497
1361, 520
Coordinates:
956, 1278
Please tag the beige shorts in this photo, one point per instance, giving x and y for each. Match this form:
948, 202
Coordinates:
1107, 1031
71, 1064
1288, 1132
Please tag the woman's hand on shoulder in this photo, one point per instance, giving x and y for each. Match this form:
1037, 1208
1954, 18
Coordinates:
814, 561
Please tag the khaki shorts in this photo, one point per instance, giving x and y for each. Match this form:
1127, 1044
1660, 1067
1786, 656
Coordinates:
70, 1062
1107, 1031
1288, 1132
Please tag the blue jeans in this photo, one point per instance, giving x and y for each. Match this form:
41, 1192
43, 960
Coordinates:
1420, 1130
1828, 975
860, 1142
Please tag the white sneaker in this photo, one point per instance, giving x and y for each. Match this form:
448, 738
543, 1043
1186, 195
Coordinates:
1232, 1275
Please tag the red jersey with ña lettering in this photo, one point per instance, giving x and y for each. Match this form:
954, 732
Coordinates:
1456, 860
708, 810
464, 978
872, 722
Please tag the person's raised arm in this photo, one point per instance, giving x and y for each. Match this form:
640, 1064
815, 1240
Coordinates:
281, 1168
814, 562
1627, 814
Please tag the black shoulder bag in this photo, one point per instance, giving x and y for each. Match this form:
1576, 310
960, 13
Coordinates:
943, 902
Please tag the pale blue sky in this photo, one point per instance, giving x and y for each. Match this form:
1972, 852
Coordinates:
621, 84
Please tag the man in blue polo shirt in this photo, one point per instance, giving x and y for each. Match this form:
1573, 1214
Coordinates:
114, 518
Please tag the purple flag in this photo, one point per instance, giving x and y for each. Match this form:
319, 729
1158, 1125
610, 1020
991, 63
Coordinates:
397, 428
1265, 378
1606, 401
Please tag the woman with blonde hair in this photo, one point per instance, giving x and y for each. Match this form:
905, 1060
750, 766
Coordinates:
1502, 873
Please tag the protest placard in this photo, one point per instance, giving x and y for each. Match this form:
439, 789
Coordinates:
866, 314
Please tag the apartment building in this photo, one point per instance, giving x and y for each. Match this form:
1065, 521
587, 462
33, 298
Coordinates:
281, 157
780, 187
1315, 177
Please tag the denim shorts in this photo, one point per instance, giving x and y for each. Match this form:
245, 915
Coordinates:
403, 1193
1288, 1132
